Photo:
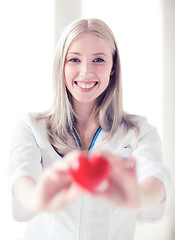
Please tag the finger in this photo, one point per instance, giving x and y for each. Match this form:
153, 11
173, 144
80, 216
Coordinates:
64, 197
125, 165
53, 174
64, 163
61, 165
71, 156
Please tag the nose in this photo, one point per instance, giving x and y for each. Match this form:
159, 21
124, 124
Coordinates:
86, 70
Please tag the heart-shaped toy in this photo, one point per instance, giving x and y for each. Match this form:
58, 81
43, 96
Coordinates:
89, 172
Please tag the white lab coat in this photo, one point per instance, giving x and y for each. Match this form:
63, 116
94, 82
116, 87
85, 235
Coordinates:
86, 218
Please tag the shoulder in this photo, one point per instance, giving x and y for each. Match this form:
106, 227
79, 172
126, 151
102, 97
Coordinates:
142, 123
139, 129
31, 119
147, 129
28, 124
132, 118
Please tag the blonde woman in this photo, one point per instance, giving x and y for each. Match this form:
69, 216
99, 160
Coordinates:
86, 117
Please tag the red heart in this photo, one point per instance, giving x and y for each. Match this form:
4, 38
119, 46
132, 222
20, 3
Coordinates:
89, 172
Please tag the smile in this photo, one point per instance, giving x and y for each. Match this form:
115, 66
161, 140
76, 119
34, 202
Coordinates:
86, 85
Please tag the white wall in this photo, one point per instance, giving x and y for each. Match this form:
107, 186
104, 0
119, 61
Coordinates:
139, 29
169, 100
29, 32
26, 51
137, 25
28, 39
66, 11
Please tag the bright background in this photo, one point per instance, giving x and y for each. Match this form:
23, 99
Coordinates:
144, 33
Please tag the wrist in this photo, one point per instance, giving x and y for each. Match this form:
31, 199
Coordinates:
151, 192
23, 191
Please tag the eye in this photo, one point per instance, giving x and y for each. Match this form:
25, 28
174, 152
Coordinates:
98, 60
74, 60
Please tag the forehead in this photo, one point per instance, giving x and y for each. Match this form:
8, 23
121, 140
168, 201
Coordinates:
88, 42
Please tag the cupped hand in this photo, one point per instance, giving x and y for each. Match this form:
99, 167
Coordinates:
121, 187
55, 188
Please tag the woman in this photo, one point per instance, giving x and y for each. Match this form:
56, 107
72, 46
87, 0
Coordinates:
86, 116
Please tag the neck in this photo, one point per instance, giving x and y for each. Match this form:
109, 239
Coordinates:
86, 125
84, 113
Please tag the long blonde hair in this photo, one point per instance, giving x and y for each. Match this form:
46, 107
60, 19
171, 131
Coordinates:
61, 119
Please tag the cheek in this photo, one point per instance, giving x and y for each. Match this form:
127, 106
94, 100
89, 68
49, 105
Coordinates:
105, 75
69, 74
66, 73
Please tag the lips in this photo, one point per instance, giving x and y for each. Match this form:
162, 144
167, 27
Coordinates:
86, 85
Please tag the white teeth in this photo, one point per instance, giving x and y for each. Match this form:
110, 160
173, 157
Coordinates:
86, 85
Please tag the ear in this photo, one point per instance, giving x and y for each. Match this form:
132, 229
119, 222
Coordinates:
112, 72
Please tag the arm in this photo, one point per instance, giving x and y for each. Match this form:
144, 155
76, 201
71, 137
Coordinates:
23, 192
53, 190
29, 184
152, 192
123, 189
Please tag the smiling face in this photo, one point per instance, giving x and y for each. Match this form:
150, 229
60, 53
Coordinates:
88, 67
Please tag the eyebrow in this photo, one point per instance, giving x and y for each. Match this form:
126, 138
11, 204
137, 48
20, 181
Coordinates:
74, 53
100, 53
94, 54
